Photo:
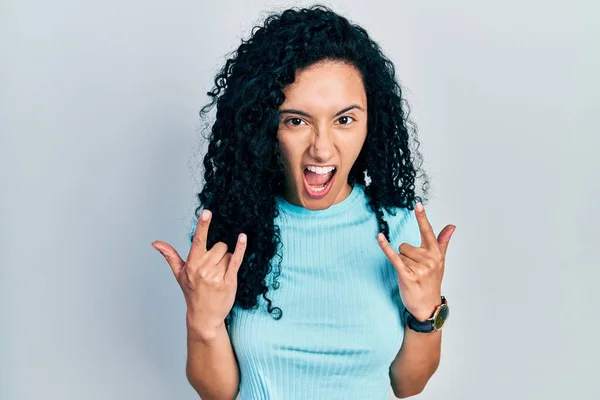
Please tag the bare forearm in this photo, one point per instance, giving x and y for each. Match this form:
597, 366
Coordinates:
211, 367
415, 363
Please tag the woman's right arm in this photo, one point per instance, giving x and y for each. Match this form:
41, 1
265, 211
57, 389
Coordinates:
209, 282
211, 368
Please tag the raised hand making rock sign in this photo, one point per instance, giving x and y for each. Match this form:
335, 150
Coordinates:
420, 269
208, 278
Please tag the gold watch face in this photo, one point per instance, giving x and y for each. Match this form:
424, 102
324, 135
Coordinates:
440, 317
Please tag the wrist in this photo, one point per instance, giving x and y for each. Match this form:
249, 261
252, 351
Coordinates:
204, 335
426, 312
203, 331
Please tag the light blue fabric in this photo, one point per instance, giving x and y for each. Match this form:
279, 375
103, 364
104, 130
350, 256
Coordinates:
342, 325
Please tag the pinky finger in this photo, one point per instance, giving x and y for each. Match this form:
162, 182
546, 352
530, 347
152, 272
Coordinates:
236, 259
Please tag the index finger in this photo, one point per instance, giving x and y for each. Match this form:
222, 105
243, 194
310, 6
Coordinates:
428, 239
198, 248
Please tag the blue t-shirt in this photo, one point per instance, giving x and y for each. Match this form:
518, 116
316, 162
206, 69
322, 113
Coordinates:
342, 324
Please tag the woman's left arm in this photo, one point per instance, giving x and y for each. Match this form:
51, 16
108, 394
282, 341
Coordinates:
415, 363
420, 272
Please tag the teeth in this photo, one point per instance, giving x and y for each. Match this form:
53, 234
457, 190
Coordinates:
320, 170
318, 188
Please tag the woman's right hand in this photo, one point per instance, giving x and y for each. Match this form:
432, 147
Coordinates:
208, 278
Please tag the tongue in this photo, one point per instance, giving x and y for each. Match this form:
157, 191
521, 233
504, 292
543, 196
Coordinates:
315, 179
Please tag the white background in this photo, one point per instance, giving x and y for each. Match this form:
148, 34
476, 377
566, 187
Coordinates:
100, 155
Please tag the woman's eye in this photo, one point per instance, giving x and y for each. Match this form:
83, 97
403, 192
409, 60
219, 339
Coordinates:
345, 120
294, 121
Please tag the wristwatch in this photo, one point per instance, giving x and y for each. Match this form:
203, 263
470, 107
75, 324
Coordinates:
435, 323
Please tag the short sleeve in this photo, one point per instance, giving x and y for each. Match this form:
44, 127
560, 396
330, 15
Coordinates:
404, 228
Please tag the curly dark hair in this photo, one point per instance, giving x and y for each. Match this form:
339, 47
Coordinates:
242, 169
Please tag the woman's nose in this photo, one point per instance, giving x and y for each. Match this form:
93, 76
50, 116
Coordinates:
322, 146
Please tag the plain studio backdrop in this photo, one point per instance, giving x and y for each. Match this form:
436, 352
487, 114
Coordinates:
100, 155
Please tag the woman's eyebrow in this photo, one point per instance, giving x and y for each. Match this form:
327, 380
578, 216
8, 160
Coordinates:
300, 112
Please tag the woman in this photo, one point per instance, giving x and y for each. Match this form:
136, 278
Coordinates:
293, 286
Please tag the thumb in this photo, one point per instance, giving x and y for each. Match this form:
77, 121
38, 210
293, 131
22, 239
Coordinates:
170, 254
444, 237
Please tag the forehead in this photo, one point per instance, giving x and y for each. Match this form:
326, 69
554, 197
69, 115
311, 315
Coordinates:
327, 83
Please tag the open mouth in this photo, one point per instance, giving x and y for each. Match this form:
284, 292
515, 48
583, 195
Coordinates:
318, 183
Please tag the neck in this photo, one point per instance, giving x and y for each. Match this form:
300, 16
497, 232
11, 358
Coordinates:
291, 197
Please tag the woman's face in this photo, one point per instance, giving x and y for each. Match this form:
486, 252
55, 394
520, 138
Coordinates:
323, 124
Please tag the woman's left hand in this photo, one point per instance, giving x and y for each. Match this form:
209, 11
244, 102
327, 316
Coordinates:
420, 269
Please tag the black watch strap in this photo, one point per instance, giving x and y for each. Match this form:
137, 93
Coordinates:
416, 325
427, 326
